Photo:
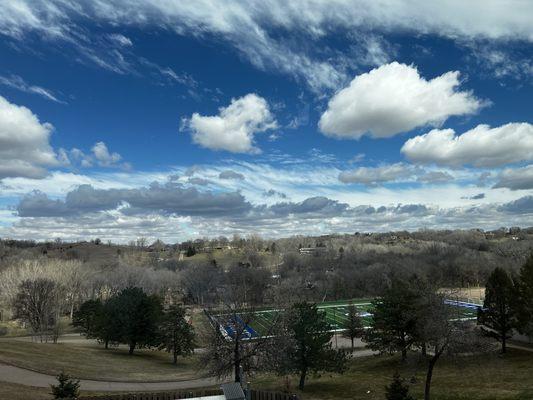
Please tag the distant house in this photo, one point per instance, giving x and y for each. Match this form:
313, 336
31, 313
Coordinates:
312, 250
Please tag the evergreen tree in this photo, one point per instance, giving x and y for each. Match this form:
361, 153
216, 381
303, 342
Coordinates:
395, 316
67, 388
87, 318
176, 335
352, 325
137, 316
191, 251
497, 314
397, 390
305, 345
108, 327
524, 310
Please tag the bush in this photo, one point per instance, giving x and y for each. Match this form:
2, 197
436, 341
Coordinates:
397, 390
67, 388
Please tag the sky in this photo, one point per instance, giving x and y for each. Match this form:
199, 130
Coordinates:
170, 120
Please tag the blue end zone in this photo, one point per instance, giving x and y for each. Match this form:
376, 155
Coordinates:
463, 304
247, 332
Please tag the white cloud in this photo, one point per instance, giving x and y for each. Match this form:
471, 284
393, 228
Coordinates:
481, 146
516, 178
435, 177
376, 175
229, 174
318, 203
103, 157
234, 128
392, 99
248, 26
16, 82
120, 39
25, 150
100, 155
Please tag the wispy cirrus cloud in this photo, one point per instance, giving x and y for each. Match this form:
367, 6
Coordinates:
18, 83
249, 28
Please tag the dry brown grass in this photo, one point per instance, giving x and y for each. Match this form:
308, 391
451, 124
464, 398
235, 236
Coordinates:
88, 360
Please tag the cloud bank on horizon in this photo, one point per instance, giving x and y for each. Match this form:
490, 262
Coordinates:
175, 120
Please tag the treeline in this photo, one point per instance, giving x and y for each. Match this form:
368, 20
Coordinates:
266, 271
137, 320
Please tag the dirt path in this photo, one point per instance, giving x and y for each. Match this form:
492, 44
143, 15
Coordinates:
9, 373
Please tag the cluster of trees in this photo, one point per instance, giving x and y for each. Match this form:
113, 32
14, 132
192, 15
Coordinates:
508, 305
414, 315
138, 320
274, 271
297, 341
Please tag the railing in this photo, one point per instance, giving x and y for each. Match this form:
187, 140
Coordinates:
254, 395
156, 396
260, 395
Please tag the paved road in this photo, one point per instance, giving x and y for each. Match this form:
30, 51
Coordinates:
26, 377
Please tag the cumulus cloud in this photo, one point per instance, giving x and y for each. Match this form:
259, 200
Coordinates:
228, 174
481, 146
199, 181
516, 178
376, 175
25, 149
394, 98
234, 128
103, 157
318, 206
483, 178
100, 155
435, 177
274, 193
166, 199
523, 205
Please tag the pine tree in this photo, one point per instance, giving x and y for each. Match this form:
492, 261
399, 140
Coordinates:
395, 315
305, 346
352, 325
397, 390
191, 251
497, 314
175, 333
67, 388
525, 299
87, 317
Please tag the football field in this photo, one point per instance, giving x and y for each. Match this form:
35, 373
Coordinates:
261, 323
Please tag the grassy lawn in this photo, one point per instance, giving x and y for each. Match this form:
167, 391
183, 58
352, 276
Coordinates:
478, 378
88, 360
488, 377
13, 391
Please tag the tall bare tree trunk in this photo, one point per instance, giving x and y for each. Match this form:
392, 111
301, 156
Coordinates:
302, 379
237, 358
429, 375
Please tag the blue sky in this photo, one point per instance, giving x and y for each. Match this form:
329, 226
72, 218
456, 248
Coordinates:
122, 119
